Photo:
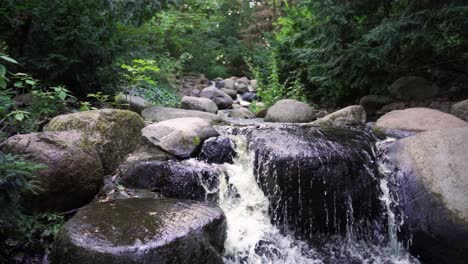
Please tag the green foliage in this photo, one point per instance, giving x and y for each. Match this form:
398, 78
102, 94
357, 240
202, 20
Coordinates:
343, 50
19, 228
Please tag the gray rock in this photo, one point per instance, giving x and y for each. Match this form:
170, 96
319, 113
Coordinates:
159, 113
241, 113
199, 104
173, 179
136, 103
142, 230
229, 84
221, 99
350, 116
401, 123
460, 110
74, 171
290, 111
413, 88
249, 97
253, 85
195, 93
231, 93
180, 137
118, 130
433, 185
242, 87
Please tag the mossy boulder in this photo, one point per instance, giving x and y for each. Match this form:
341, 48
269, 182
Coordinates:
74, 171
118, 130
142, 230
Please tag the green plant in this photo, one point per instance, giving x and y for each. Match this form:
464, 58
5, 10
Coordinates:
21, 228
102, 99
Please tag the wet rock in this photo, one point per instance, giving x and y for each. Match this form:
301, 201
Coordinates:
136, 103
402, 123
290, 111
180, 137
317, 180
433, 184
231, 93
350, 116
118, 130
242, 87
159, 113
74, 171
460, 110
133, 231
218, 150
173, 179
242, 113
413, 88
220, 98
199, 104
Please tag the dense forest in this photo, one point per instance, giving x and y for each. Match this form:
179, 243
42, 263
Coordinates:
67, 56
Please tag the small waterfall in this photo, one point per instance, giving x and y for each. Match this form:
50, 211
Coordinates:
251, 237
255, 237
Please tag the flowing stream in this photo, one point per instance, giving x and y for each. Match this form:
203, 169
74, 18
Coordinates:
253, 238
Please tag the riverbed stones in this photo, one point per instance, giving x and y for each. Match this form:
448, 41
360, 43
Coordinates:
159, 114
290, 111
189, 179
199, 104
118, 130
220, 98
460, 110
401, 123
73, 173
433, 187
241, 112
180, 137
142, 230
135, 103
354, 115
230, 92
413, 88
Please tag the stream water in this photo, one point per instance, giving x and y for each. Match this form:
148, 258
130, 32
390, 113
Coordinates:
253, 237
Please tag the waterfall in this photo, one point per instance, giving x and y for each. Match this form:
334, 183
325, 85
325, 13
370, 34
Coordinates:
252, 236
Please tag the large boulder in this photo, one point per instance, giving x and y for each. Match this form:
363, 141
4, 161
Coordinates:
221, 99
350, 116
74, 171
433, 188
229, 84
318, 182
242, 85
290, 111
159, 114
199, 104
218, 150
135, 103
133, 231
401, 123
413, 88
460, 110
187, 179
181, 136
118, 130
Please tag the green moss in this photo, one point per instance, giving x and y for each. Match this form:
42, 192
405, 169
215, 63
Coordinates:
197, 141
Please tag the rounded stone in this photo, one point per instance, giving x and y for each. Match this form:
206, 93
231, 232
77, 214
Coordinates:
290, 111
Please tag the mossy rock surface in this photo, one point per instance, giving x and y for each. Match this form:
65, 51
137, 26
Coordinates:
74, 171
118, 132
142, 230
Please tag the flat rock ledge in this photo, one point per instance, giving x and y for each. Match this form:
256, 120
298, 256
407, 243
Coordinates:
142, 230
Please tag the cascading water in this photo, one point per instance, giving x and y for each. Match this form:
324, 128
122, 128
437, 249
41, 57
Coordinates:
255, 235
